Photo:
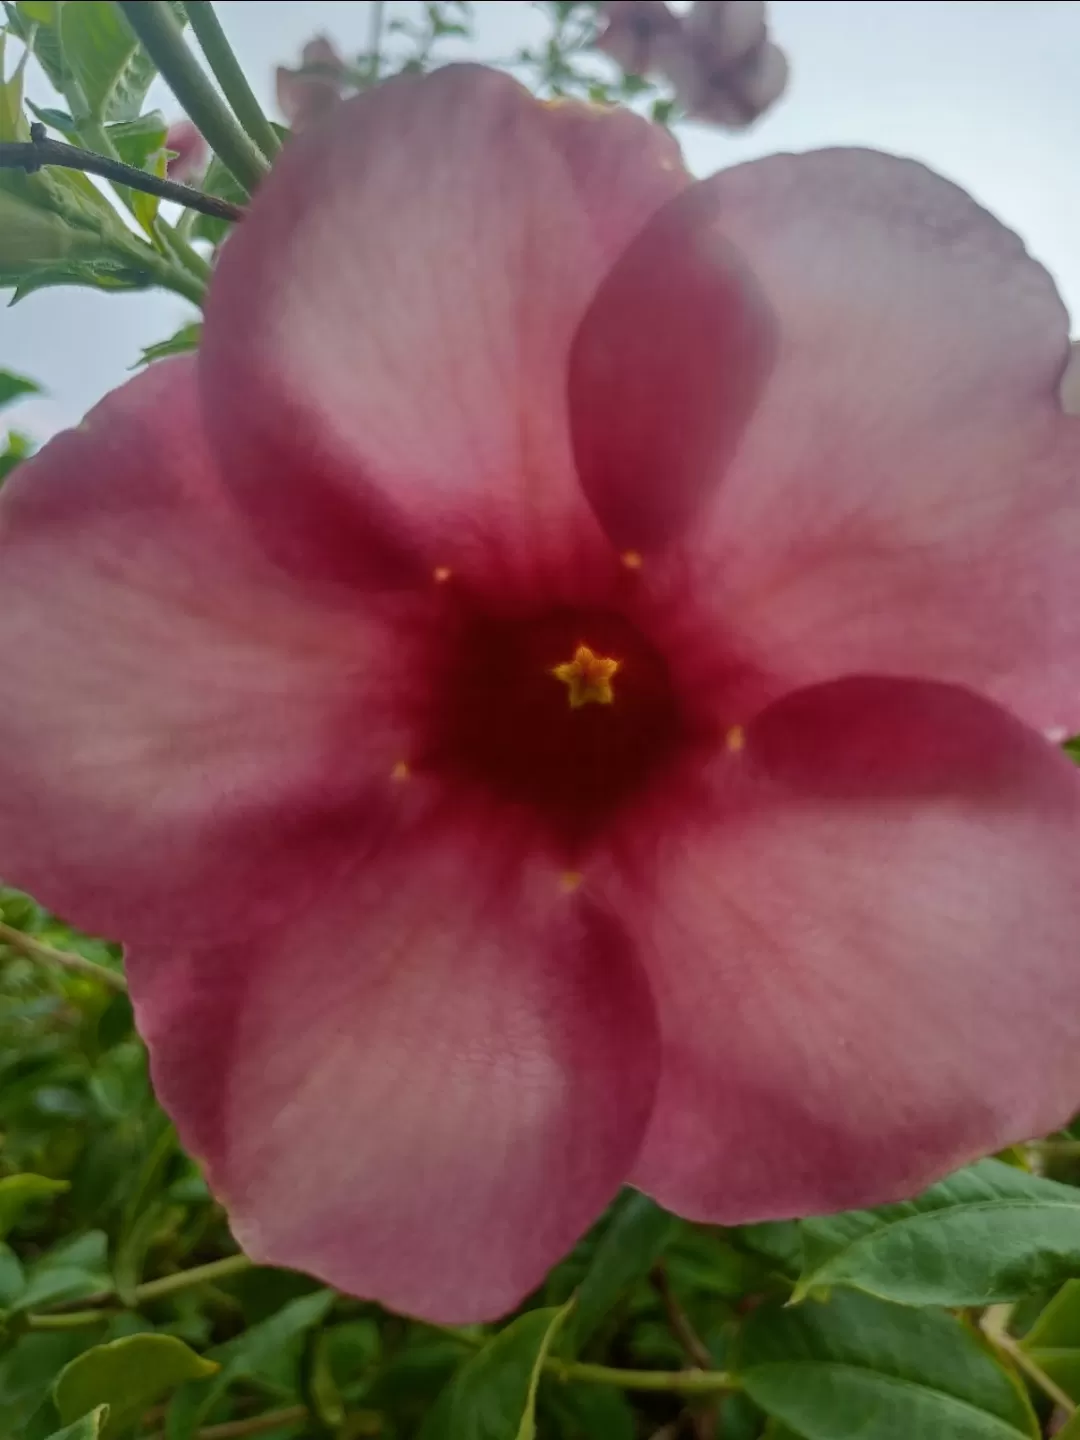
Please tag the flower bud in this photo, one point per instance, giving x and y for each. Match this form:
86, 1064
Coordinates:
641, 35
305, 94
31, 236
190, 151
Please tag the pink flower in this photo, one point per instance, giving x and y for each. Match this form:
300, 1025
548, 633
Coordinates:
550, 694
1070, 382
719, 59
307, 94
640, 35
191, 151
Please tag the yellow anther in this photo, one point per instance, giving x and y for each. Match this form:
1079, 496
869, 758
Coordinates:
400, 771
735, 739
631, 559
441, 574
570, 880
587, 677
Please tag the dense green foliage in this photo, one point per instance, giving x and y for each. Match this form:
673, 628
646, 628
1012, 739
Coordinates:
953, 1315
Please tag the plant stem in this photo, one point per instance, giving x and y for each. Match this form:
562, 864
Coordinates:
167, 1285
161, 37
200, 1275
172, 277
72, 1320
678, 1320
39, 150
254, 1425
37, 950
674, 1382
679, 1382
177, 244
229, 75
994, 1325
360, 1422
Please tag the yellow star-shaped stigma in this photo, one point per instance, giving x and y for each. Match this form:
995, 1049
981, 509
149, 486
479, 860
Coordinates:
588, 677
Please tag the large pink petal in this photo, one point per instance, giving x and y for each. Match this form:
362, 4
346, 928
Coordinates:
667, 367
186, 737
425, 1090
387, 336
864, 949
907, 498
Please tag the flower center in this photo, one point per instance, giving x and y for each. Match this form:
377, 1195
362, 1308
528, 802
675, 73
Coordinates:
587, 677
572, 739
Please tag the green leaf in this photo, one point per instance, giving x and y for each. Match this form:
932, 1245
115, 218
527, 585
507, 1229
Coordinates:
1053, 1342
30, 236
71, 1270
221, 182
56, 120
11, 388
128, 1376
42, 12
256, 1354
493, 1395
590, 1412
34, 23
138, 141
18, 1191
186, 338
12, 1279
626, 1252
989, 1233
863, 1369
110, 67
88, 1427
16, 448
96, 274
13, 124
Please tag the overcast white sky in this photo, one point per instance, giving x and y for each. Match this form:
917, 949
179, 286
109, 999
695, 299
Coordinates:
986, 91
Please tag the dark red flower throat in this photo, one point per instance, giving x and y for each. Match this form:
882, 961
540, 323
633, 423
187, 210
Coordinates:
571, 713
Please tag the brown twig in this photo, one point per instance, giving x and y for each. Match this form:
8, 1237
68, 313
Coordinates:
696, 1350
39, 150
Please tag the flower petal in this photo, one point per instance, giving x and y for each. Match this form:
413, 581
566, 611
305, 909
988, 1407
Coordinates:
427, 1089
178, 745
387, 334
864, 954
667, 368
907, 499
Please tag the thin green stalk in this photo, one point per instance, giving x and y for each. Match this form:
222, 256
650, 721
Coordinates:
229, 75
71, 1320
163, 40
673, 1382
255, 1424
179, 246
199, 1275
156, 1289
35, 949
170, 276
995, 1326
679, 1382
